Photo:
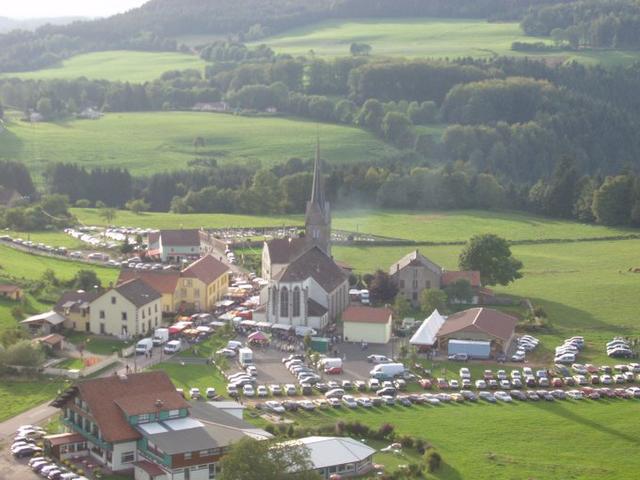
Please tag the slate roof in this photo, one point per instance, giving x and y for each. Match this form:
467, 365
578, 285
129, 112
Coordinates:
103, 396
74, 301
358, 314
137, 292
472, 276
283, 250
316, 264
207, 269
178, 436
485, 320
315, 309
225, 428
162, 281
180, 238
414, 258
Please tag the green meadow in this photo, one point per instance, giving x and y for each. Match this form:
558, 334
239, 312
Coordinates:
426, 37
147, 143
543, 441
422, 226
116, 65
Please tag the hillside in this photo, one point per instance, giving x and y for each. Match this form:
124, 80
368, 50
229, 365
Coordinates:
148, 143
428, 37
117, 65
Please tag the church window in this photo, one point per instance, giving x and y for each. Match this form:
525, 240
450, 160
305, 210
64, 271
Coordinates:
284, 302
274, 301
296, 302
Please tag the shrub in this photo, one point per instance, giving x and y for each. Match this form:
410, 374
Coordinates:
433, 461
406, 441
385, 431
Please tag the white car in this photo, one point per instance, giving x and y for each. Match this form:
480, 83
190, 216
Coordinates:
248, 391
226, 352
194, 393
465, 373
575, 394
364, 402
503, 396
565, 358
481, 384
290, 389
379, 359
349, 401
334, 402
275, 389
262, 391
275, 407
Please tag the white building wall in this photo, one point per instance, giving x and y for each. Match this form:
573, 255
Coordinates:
118, 450
367, 332
113, 315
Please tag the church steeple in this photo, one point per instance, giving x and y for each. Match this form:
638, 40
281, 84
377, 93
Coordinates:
318, 214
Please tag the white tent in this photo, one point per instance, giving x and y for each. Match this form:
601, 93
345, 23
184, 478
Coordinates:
428, 331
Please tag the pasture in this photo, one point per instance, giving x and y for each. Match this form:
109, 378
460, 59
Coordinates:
20, 395
422, 226
565, 439
426, 38
147, 143
116, 65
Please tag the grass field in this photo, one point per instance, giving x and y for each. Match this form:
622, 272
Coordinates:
585, 287
18, 396
116, 65
425, 37
424, 226
568, 440
31, 267
188, 376
148, 143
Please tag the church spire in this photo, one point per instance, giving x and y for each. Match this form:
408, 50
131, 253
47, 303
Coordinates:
317, 191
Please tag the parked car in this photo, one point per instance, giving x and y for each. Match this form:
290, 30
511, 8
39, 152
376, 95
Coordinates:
364, 402
379, 359
386, 391
349, 401
275, 389
248, 391
335, 393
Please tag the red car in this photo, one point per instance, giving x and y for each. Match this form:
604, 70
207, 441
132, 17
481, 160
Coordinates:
557, 382
333, 370
425, 383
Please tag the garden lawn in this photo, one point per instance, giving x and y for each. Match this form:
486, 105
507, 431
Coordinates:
19, 396
421, 226
95, 344
565, 439
71, 364
151, 142
22, 265
189, 375
116, 65
427, 37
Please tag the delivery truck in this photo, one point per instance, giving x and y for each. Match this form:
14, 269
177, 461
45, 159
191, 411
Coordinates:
245, 356
160, 336
144, 346
387, 371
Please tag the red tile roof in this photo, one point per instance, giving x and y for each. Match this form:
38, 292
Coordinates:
179, 238
151, 468
160, 281
485, 320
473, 277
207, 269
104, 395
64, 439
360, 314
9, 288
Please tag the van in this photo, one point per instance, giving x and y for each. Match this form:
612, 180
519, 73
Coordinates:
364, 297
144, 346
385, 371
234, 344
172, 347
245, 356
160, 336
327, 363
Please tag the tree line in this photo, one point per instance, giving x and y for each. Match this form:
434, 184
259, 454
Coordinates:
590, 23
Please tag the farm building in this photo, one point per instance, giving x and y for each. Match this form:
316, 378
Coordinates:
367, 324
479, 325
44, 323
12, 292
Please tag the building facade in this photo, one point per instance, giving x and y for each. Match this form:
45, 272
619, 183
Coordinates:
132, 308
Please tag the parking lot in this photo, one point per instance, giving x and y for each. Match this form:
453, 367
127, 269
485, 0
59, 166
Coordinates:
355, 365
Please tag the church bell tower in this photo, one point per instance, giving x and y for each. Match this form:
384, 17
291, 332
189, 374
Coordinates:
318, 214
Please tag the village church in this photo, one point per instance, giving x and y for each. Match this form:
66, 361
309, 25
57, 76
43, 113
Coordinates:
306, 287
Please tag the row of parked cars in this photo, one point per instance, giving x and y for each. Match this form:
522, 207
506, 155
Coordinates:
47, 468
25, 441
619, 348
33, 245
525, 344
569, 350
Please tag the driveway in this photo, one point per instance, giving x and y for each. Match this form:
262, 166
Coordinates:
15, 469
